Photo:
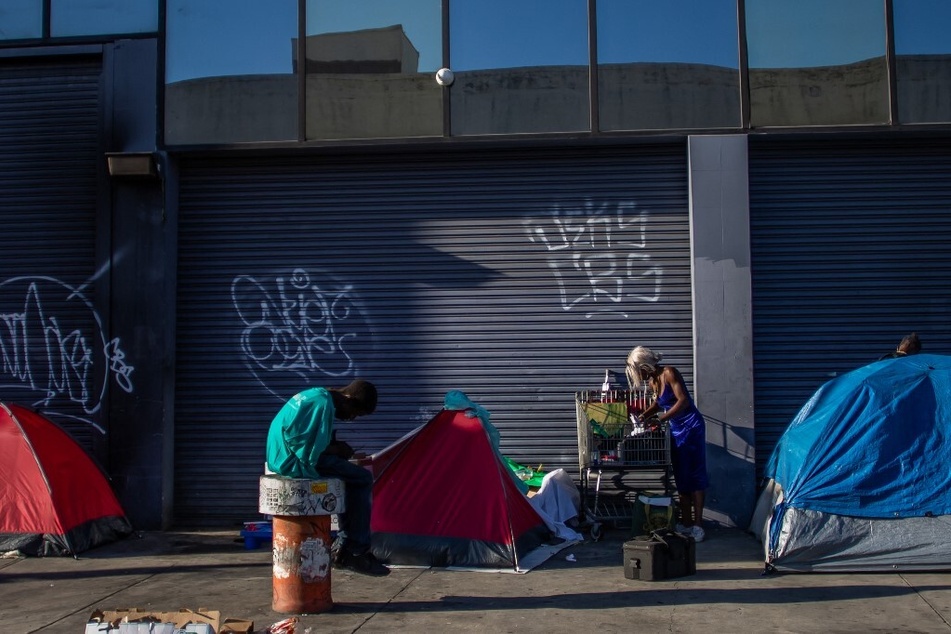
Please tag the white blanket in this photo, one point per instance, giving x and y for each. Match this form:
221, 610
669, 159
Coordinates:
557, 501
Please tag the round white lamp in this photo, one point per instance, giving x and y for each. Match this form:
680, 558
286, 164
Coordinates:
444, 77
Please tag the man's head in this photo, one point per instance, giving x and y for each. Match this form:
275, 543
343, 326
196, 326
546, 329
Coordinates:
910, 344
356, 399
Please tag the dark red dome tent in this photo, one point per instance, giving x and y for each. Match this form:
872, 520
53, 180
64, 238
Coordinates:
444, 497
54, 500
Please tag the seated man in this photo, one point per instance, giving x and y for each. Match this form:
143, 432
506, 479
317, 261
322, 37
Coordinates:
301, 444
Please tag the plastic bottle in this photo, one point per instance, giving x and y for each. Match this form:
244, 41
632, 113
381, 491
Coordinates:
606, 387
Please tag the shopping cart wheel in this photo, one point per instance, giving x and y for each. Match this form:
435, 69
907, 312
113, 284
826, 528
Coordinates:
596, 532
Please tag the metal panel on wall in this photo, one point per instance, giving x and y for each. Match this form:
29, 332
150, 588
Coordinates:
850, 253
515, 276
53, 352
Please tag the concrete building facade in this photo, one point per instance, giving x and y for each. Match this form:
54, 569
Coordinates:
187, 252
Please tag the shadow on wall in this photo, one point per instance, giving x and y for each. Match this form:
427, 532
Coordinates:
731, 463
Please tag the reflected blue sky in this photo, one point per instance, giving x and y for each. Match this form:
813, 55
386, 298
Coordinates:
511, 34
809, 33
210, 38
922, 27
237, 37
89, 17
694, 31
21, 18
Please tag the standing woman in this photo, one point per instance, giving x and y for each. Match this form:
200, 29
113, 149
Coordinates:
687, 429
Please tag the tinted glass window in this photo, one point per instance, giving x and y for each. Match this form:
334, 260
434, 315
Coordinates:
21, 19
816, 62
100, 17
519, 66
230, 71
923, 60
370, 68
668, 64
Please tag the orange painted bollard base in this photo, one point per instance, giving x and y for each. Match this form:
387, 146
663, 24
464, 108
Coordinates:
302, 564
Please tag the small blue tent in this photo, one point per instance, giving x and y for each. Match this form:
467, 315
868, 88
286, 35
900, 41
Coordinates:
861, 480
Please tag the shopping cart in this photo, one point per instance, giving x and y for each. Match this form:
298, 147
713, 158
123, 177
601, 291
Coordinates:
618, 456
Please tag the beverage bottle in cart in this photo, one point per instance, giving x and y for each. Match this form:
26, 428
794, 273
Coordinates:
606, 387
634, 404
637, 404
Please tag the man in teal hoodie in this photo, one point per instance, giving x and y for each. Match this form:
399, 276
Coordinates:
301, 444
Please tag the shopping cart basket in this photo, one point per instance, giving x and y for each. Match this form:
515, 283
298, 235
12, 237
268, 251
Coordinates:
618, 456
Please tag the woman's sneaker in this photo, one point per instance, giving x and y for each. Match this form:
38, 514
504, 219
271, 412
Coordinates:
697, 533
683, 530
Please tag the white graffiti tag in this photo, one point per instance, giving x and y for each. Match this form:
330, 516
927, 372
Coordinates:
52, 343
598, 255
298, 325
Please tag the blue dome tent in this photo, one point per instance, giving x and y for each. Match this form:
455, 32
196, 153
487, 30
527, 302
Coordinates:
860, 479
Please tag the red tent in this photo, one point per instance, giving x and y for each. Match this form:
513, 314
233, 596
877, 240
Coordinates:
444, 497
54, 499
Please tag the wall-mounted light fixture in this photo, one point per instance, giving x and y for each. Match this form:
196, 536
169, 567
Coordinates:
137, 164
445, 77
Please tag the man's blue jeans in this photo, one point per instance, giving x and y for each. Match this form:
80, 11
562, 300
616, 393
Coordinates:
358, 485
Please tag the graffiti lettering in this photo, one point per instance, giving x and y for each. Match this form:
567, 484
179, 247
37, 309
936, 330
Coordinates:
52, 342
120, 370
298, 325
597, 255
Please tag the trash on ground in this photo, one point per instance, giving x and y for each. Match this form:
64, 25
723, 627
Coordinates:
202, 621
287, 626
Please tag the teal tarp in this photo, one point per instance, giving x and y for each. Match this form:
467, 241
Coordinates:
872, 443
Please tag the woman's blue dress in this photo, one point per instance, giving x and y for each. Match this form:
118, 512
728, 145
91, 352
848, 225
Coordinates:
688, 431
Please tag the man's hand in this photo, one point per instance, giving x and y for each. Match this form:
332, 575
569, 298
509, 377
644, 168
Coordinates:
361, 458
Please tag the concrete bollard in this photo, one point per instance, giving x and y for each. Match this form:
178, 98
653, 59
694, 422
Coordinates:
301, 511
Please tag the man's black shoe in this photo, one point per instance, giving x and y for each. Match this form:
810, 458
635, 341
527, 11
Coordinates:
365, 564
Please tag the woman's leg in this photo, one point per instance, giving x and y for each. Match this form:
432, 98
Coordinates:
686, 508
698, 498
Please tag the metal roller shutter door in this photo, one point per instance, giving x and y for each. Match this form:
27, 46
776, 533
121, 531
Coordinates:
52, 344
516, 277
850, 253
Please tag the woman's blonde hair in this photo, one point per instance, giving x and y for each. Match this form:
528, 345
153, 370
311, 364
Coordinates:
641, 358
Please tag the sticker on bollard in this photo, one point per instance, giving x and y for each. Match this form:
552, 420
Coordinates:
292, 496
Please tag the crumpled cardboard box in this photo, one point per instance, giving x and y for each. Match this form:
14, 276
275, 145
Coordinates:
110, 620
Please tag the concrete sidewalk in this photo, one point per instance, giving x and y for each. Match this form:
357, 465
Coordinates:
168, 571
